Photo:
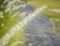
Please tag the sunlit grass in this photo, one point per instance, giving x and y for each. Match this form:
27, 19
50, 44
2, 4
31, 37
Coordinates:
51, 14
17, 37
49, 3
8, 22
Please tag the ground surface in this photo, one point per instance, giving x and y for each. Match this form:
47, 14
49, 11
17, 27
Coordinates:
51, 4
55, 17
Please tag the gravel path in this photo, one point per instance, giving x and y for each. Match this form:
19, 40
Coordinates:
11, 33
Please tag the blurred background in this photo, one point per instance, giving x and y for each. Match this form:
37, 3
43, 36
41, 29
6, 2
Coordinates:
9, 17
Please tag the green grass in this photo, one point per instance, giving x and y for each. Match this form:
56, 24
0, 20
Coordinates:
8, 22
17, 37
51, 14
49, 3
